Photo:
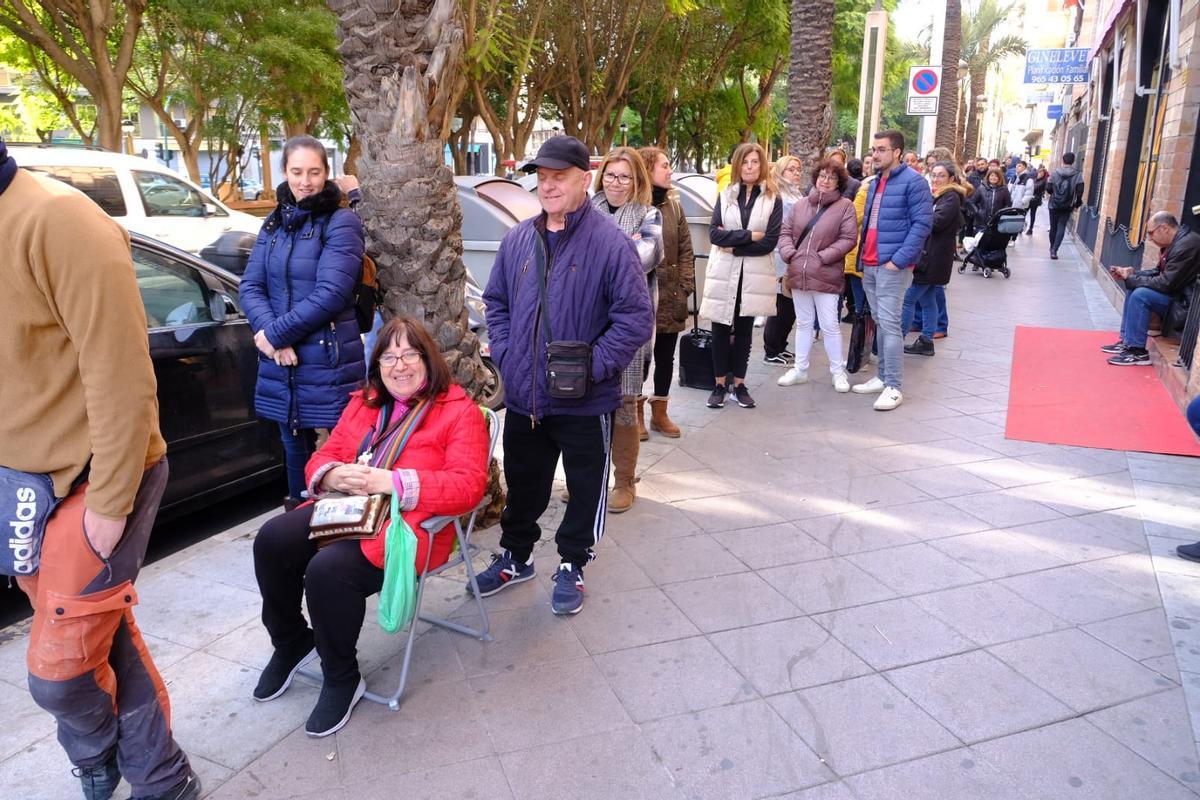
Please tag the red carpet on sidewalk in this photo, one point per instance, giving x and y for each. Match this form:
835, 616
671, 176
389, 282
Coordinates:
1064, 392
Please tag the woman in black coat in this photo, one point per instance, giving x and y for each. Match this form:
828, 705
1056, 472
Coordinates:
992, 197
937, 261
1039, 190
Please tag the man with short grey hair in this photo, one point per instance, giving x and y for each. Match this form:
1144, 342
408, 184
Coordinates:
1151, 290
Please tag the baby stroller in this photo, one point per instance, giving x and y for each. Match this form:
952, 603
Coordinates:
987, 250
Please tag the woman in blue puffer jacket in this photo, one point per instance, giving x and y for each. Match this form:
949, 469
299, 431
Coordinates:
298, 293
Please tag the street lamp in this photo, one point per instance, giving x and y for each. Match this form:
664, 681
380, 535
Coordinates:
127, 127
624, 130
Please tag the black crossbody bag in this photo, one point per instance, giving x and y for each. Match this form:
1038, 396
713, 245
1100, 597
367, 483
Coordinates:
568, 363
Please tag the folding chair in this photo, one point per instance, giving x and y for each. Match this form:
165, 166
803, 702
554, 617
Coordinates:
465, 550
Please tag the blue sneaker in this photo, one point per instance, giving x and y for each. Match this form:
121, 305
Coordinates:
504, 571
99, 782
568, 590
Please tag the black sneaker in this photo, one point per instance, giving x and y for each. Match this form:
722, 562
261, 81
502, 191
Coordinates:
1131, 357
1114, 348
717, 398
277, 675
333, 708
1189, 551
187, 789
99, 782
920, 347
743, 396
777, 360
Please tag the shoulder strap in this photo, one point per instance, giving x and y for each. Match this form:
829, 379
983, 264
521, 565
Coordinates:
539, 261
811, 224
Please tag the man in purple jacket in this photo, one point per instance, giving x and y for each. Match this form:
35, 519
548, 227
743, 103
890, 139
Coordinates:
595, 293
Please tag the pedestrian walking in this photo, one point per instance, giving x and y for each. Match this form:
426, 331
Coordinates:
676, 282
896, 221
788, 174
740, 279
816, 235
1065, 190
84, 469
1037, 196
561, 354
298, 294
410, 432
937, 259
623, 192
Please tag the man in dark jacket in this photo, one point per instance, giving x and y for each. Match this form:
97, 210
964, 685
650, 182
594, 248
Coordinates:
1151, 290
595, 293
896, 221
1065, 188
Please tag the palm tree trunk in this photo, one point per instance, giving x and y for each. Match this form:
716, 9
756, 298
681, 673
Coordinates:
946, 135
975, 118
401, 69
810, 80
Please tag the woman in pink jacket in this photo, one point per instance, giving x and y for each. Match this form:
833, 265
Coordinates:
817, 234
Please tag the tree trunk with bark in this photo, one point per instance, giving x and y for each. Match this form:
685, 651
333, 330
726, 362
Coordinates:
947, 121
402, 67
975, 117
810, 80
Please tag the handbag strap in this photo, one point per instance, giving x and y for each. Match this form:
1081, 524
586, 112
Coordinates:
811, 224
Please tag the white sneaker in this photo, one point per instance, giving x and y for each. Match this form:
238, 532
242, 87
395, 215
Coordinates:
889, 399
841, 383
870, 387
793, 376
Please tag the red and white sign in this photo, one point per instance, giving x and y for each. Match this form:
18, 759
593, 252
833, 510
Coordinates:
924, 86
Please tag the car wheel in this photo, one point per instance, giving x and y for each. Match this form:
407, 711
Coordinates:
493, 396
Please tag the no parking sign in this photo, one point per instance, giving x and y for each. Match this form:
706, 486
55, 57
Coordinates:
924, 85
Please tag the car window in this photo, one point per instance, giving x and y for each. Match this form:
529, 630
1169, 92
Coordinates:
173, 293
98, 183
164, 196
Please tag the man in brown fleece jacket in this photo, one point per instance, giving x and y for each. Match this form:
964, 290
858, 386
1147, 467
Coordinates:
78, 399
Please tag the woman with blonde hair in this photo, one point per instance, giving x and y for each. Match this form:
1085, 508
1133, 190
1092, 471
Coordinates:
676, 280
624, 192
740, 279
788, 173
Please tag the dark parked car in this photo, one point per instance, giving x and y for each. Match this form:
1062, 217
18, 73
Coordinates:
206, 364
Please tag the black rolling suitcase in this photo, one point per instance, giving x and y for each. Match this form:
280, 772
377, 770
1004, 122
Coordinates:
695, 357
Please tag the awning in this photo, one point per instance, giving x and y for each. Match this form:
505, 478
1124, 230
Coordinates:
1110, 22
1033, 136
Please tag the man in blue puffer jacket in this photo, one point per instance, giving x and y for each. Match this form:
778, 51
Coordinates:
896, 222
596, 293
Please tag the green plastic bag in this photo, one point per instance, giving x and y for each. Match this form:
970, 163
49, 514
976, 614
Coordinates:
398, 597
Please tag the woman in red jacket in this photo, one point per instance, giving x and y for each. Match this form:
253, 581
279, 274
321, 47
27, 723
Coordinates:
441, 470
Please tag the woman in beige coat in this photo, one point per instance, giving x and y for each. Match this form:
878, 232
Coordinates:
740, 280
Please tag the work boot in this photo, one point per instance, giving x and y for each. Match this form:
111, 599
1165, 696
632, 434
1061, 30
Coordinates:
659, 421
99, 781
643, 434
624, 457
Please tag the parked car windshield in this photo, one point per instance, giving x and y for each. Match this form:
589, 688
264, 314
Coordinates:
164, 196
98, 183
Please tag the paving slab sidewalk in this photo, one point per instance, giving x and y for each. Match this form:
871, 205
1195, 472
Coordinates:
810, 600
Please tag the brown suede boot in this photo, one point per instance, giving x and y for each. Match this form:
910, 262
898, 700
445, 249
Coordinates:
643, 434
624, 457
659, 421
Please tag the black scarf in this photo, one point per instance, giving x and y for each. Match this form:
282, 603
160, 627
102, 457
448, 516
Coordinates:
8, 167
659, 195
326, 201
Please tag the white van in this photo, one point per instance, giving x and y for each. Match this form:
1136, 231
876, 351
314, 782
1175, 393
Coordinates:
140, 194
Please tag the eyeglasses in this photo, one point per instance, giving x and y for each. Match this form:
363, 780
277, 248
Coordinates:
883, 149
408, 358
621, 180
792, 168
825, 176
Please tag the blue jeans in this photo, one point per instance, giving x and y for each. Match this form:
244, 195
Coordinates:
885, 292
1193, 415
1135, 320
943, 321
922, 299
296, 452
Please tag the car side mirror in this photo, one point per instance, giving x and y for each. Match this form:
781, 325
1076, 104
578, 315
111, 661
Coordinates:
210, 210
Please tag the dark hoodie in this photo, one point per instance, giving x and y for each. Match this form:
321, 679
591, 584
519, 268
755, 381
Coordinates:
8, 167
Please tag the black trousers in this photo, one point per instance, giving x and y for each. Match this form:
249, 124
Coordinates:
531, 452
775, 332
1059, 218
664, 362
1033, 207
736, 357
336, 579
